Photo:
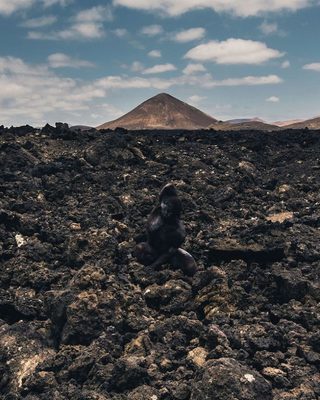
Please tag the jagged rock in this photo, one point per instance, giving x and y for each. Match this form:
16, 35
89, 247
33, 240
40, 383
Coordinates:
315, 341
173, 296
248, 167
226, 379
291, 284
89, 276
143, 392
129, 373
62, 126
198, 356
252, 253
83, 322
280, 217
48, 129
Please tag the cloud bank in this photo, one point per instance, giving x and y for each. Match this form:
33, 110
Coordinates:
189, 35
8, 7
312, 67
233, 51
87, 24
34, 93
239, 8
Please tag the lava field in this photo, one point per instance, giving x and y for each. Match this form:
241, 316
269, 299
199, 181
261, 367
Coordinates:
80, 319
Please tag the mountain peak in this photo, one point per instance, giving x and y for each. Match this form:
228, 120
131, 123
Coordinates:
162, 95
162, 111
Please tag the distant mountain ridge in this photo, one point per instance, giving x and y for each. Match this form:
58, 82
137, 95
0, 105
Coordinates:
313, 123
244, 120
250, 125
162, 111
287, 123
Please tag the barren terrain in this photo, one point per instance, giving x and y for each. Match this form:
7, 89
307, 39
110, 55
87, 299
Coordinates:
81, 320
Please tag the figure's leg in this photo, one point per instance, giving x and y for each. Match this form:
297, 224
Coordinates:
144, 254
184, 260
164, 257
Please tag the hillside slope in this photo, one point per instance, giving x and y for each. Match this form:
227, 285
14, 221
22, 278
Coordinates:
244, 126
313, 123
162, 112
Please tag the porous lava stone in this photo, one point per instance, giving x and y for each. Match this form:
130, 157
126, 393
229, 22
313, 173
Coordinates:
80, 319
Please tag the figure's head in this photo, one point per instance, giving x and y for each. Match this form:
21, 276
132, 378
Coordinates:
168, 191
170, 207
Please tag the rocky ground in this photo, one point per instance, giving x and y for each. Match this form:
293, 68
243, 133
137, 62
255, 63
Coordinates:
81, 320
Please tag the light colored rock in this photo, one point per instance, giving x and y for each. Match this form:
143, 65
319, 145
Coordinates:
20, 240
284, 189
75, 226
198, 356
126, 199
280, 217
249, 377
270, 372
247, 166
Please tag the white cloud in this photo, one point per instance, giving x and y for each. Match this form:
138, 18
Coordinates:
312, 67
285, 64
191, 69
235, 7
189, 35
273, 99
233, 51
31, 92
84, 30
8, 7
94, 14
195, 99
49, 3
154, 53
37, 35
39, 22
137, 66
105, 112
123, 82
86, 24
205, 81
250, 81
61, 60
152, 30
159, 69
16, 66
268, 28
120, 32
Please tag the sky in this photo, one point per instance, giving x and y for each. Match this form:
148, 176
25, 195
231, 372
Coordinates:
89, 62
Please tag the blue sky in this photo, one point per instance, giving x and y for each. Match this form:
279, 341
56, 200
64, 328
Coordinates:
88, 62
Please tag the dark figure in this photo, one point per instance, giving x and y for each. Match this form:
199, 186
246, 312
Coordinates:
166, 233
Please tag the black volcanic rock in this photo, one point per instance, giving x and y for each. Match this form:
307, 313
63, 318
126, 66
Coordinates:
48, 129
21, 130
226, 379
81, 319
162, 112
